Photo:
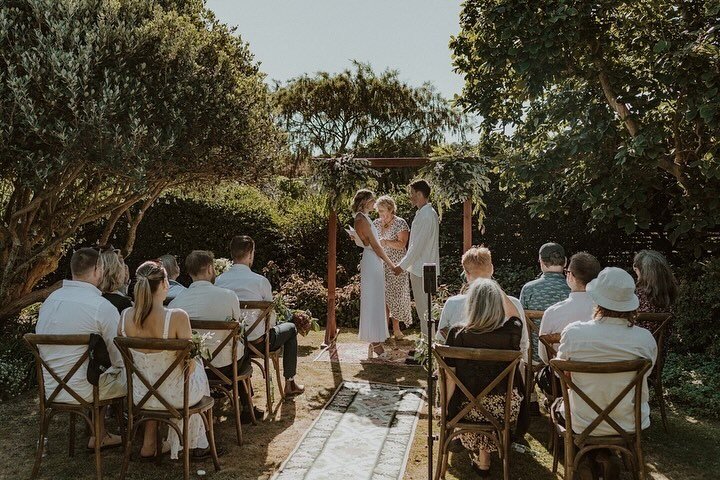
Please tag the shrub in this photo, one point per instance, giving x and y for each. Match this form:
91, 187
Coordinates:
512, 277
347, 304
693, 381
697, 311
17, 364
306, 294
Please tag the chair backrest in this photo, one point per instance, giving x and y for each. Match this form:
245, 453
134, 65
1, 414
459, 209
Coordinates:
565, 369
660, 322
530, 317
266, 309
33, 342
182, 359
232, 337
512, 357
549, 346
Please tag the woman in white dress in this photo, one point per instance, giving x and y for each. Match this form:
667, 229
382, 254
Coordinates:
373, 317
150, 319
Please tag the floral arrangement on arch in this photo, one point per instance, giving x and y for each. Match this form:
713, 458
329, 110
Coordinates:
457, 173
339, 178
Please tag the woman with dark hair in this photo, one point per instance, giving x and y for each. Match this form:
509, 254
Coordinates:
657, 287
486, 327
373, 317
150, 319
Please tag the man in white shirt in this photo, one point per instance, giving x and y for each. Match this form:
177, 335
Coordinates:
78, 308
250, 286
173, 272
423, 247
477, 263
578, 307
610, 336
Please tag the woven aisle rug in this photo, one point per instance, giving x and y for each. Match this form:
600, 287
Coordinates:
357, 353
364, 432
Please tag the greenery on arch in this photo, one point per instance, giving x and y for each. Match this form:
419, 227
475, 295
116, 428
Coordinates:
458, 173
339, 178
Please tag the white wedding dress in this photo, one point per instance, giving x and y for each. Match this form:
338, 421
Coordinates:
373, 320
153, 365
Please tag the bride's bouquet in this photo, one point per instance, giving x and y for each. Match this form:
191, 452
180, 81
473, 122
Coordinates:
303, 319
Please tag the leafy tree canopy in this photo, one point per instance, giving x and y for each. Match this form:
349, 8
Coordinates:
359, 111
103, 106
609, 106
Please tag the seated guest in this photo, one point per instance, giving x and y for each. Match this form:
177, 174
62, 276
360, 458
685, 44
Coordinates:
610, 336
579, 306
78, 308
150, 319
204, 301
114, 279
547, 290
477, 263
173, 272
250, 286
657, 288
486, 327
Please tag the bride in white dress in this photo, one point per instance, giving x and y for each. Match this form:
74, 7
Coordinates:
373, 320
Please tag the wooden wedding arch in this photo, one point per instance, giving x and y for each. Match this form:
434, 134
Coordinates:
378, 163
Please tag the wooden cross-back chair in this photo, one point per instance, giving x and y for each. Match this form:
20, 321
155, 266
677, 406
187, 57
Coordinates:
263, 357
549, 346
49, 407
137, 415
661, 325
628, 443
531, 367
228, 385
498, 431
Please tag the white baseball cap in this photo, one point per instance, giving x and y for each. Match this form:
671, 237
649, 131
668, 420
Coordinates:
614, 289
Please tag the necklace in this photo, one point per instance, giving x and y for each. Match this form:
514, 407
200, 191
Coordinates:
387, 225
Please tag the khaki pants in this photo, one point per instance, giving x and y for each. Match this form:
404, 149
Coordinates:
112, 383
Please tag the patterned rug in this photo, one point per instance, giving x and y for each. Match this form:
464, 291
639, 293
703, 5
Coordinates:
364, 432
357, 353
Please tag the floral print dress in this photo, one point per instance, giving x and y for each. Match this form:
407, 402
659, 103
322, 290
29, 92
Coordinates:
397, 287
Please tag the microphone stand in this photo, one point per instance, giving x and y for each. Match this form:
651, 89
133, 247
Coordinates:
430, 287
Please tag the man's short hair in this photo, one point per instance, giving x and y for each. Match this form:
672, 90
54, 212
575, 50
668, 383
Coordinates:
553, 255
584, 267
198, 260
171, 266
83, 261
241, 246
421, 186
477, 259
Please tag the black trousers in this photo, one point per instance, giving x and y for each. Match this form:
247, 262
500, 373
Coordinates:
227, 371
284, 335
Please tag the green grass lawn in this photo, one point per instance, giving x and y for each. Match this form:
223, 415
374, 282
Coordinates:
689, 451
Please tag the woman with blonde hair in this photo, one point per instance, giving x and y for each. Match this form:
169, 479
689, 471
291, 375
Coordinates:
114, 278
373, 317
394, 233
485, 327
150, 319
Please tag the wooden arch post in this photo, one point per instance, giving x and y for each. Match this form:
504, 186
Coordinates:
331, 329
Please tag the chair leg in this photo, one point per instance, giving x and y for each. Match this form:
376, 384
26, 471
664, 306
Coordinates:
186, 446
97, 431
640, 461
555, 453
71, 440
128, 447
247, 388
441, 443
268, 387
236, 407
659, 395
569, 459
118, 408
211, 439
281, 387
44, 423
506, 456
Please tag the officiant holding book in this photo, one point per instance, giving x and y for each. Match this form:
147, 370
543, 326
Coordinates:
424, 247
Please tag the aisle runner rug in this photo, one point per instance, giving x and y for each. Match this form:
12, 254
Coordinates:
364, 432
357, 353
